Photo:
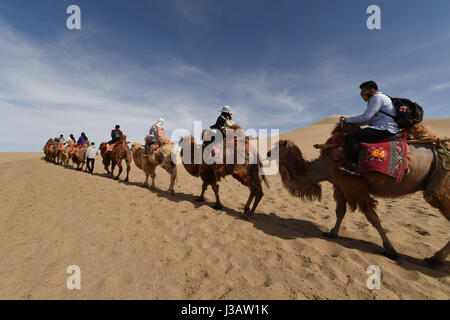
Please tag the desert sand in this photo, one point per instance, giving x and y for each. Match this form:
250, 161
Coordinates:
134, 243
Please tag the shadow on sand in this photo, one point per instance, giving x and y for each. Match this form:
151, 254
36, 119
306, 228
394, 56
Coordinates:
292, 228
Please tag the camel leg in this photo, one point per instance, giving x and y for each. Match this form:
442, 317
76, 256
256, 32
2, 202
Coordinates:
218, 205
119, 164
372, 217
106, 166
113, 166
201, 198
434, 196
439, 256
128, 170
172, 170
153, 175
249, 201
146, 179
341, 209
258, 196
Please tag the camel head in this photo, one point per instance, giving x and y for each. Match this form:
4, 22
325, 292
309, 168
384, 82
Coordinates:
294, 171
135, 146
164, 140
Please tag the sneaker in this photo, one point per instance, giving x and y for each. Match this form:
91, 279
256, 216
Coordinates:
349, 170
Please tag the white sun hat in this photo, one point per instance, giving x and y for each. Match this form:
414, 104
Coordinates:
161, 120
226, 109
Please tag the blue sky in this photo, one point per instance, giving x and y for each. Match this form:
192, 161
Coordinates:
279, 64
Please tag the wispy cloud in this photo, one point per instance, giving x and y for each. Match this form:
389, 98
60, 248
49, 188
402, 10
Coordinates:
57, 88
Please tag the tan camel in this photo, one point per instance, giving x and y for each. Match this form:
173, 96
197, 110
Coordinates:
247, 174
79, 157
162, 156
47, 149
66, 153
120, 152
55, 150
425, 172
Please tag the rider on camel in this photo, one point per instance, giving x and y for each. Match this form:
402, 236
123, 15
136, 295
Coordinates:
379, 116
81, 140
115, 135
223, 121
151, 141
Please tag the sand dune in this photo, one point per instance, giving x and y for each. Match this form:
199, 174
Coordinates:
132, 242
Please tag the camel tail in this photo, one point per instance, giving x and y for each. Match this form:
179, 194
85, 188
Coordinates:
263, 176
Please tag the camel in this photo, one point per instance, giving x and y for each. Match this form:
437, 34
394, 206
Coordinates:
162, 157
54, 152
79, 157
58, 151
66, 153
247, 174
425, 172
106, 156
46, 149
120, 152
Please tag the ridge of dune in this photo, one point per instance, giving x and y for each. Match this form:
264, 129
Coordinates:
320, 131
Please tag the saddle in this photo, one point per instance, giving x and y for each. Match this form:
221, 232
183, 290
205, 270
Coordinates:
388, 156
110, 147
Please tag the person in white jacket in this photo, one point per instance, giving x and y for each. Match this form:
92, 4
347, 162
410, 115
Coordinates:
91, 154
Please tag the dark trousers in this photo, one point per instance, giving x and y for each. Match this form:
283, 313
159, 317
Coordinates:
352, 140
90, 165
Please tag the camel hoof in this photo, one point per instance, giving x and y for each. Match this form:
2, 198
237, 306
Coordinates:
116, 178
433, 261
199, 199
391, 255
248, 215
217, 207
172, 192
330, 235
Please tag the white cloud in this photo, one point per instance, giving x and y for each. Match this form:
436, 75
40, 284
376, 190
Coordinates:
441, 86
57, 88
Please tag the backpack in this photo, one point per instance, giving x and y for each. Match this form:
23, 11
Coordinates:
228, 123
408, 112
116, 134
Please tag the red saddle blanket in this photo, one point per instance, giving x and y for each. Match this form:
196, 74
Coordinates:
387, 156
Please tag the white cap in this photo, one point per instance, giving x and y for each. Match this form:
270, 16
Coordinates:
161, 120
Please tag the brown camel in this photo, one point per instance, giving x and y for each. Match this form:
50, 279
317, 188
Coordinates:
79, 157
162, 156
120, 152
247, 174
106, 156
425, 172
